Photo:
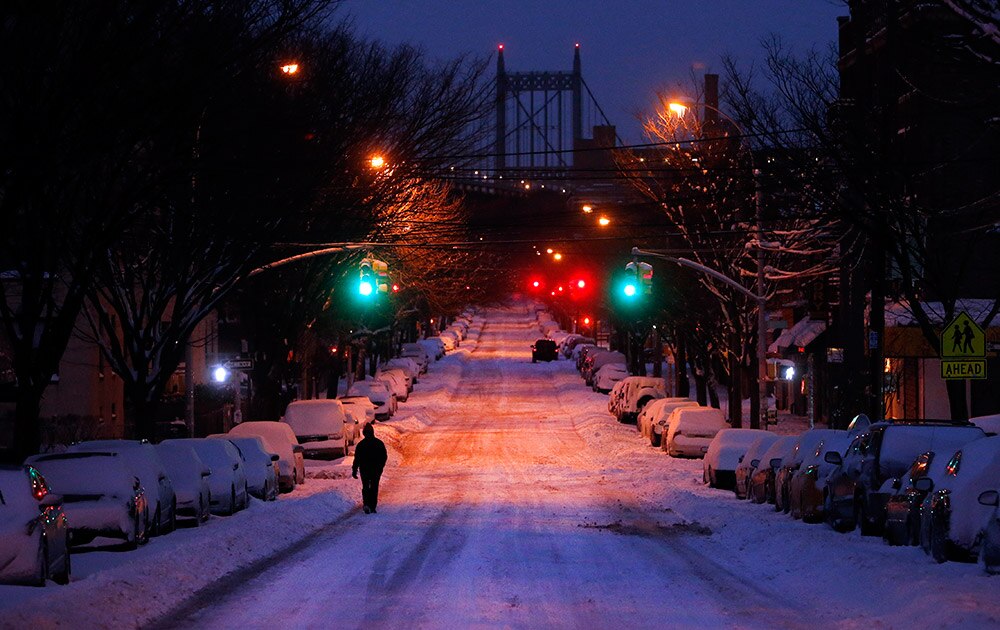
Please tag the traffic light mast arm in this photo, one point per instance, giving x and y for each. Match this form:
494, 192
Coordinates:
708, 271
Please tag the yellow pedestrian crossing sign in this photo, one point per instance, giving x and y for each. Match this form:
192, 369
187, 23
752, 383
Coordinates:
963, 349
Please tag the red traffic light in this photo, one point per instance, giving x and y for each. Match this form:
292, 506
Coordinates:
536, 284
580, 284
395, 288
586, 321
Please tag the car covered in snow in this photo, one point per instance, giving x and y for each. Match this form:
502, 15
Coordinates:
570, 343
278, 438
101, 496
990, 424
397, 383
142, 459
418, 353
408, 365
857, 492
599, 359
724, 454
228, 481
902, 510
657, 424
692, 429
435, 347
989, 553
805, 445
634, 393
261, 466
189, 476
379, 395
952, 520
363, 410
543, 350
607, 376
749, 462
761, 487
319, 427
34, 535
806, 489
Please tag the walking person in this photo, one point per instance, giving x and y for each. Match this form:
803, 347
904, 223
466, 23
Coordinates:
369, 458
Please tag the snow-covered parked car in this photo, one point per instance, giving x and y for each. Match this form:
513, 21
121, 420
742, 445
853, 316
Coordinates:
451, 340
189, 476
749, 462
141, 458
660, 422
434, 347
634, 393
101, 495
989, 424
261, 467
692, 429
228, 482
278, 438
607, 376
806, 490
857, 491
319, 427
34, 535
359, 404
418, 353
378, 394
902, 510
580, 352
761, 488
396, 381
724, 453
599, 360
804, 446
989, 553
411, 367
953, 514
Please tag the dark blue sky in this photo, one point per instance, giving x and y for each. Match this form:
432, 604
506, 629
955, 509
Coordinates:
630, 48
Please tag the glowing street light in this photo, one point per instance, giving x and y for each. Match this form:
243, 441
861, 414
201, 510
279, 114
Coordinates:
588, 209
220, 374
604, 221
377, 162
290, 68
679, 109
557, 256
548, 251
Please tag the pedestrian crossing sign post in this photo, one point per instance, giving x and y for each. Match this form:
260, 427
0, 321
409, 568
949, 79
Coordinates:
963, 349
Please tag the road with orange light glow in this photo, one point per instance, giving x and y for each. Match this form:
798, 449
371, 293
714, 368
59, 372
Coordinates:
503, 513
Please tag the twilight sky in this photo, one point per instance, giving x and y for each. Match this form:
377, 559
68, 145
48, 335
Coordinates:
629, 48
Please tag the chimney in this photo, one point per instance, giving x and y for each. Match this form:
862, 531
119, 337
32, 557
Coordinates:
711, 99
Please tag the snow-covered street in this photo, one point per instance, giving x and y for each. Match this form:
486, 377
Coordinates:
513, 499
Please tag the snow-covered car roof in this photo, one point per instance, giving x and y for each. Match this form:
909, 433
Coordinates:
86, 473
729, 445
315, 417
278, 437
780, 449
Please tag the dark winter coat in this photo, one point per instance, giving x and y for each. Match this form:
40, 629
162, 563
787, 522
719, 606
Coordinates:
369, 457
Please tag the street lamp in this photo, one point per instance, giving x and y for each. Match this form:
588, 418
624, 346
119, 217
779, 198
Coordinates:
377, 162
681, 109
604, 221
290, 68
588, 209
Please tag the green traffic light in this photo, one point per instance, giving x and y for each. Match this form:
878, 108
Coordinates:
365, 288
629, 290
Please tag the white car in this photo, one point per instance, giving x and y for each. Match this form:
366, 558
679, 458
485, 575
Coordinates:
451, 340
34, 534
353, 404
397, 382
378, 394
411, 367
261, 466
228, 481
278, 438
691, 430
101, 495
434, 346
607, 376
660, 423
418, 353
142, 459
189, 476
724, 454
319, 427
748, 463
634, 393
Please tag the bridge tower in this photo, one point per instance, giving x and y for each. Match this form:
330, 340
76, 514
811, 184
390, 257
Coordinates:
534, 101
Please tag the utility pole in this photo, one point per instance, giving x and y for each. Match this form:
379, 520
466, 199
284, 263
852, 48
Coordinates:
760, 419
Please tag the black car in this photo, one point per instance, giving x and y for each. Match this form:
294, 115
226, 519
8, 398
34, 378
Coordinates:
543, 350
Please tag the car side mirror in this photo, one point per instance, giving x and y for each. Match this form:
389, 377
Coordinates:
50, 500
236, 465
775, 462
741, 459
924, 484
275, 457
754, 462
833, 457
298, 448
136, 485
207, 472
990, 497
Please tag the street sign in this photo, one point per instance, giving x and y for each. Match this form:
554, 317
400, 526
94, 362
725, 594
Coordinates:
963, 349
238, 364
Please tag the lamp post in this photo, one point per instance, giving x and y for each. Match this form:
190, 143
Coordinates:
681, 109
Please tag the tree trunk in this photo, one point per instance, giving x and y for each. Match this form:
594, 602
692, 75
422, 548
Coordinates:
657, 353
754, 396
683, 383
27, 427
735, 391
700, 384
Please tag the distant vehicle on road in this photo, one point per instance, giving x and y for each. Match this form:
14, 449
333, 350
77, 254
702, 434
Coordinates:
543, 350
